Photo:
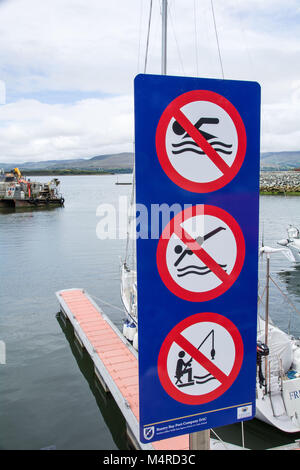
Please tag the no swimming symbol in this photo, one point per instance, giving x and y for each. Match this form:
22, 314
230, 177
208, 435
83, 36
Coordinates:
201, 141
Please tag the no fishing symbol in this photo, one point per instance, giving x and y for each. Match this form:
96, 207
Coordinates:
200, 253
201, 141
200, 358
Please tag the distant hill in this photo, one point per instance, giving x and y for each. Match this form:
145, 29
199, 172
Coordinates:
280, 160
117, 161
123, 162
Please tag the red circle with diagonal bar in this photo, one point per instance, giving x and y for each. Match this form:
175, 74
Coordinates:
224, 376
225, 172
218, 277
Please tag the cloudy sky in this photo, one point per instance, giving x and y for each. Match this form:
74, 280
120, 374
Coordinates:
67, 68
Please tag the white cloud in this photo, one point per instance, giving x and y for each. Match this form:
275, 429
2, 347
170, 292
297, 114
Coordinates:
87, 128
69, 44
98, 47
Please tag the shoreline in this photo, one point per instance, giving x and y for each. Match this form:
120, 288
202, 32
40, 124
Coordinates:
74, 172
272, 183
263, 192
279, 183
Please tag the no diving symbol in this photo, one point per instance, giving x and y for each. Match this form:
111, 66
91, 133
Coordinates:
200, 253
201, 141
200, 358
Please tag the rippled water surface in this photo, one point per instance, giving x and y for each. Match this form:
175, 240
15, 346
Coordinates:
48, 396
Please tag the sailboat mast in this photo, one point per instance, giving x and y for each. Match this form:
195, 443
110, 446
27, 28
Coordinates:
164, 38
267, 316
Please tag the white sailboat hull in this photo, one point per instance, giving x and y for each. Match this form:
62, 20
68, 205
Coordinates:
264, 412
129, 299
280, 407
128, 289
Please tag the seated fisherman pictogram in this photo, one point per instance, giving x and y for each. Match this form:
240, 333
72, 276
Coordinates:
183, 368
184, 372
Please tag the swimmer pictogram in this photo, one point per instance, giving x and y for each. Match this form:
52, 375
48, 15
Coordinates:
201, 141
200, 253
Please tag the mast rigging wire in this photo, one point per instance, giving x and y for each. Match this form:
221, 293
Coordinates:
196, 38
148, 35
175, 37
140, 34
217, 38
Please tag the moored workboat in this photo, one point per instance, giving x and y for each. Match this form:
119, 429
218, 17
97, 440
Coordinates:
18, 191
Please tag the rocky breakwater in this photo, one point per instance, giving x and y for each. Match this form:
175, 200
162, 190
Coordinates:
280, 182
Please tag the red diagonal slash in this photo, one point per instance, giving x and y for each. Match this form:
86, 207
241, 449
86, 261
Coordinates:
200, 358
196, 247
201, 253
200, 140
176, 337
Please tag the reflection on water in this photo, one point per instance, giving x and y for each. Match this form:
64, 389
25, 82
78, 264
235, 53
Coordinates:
289, 283
291, 280
28, 209
44, 398
276, 213
108, 408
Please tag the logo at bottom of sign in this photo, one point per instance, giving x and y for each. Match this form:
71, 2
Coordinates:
149, 432
200, 358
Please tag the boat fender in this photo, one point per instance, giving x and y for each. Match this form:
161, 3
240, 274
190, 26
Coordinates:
131, 331
62, 201
125, 328
135, 341
296, 359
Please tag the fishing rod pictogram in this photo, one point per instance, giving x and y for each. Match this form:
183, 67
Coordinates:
212, 366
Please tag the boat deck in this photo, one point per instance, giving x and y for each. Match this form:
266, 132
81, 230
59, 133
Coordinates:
115, 361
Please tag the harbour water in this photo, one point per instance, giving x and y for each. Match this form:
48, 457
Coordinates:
48, 396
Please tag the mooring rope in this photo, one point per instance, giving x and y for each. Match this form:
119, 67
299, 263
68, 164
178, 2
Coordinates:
109, 304
218, 437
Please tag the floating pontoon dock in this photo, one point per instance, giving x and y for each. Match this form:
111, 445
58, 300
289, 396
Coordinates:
115, 364
115, 361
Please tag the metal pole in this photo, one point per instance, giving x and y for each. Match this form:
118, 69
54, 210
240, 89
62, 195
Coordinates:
267, 316
199, 440
164, 38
